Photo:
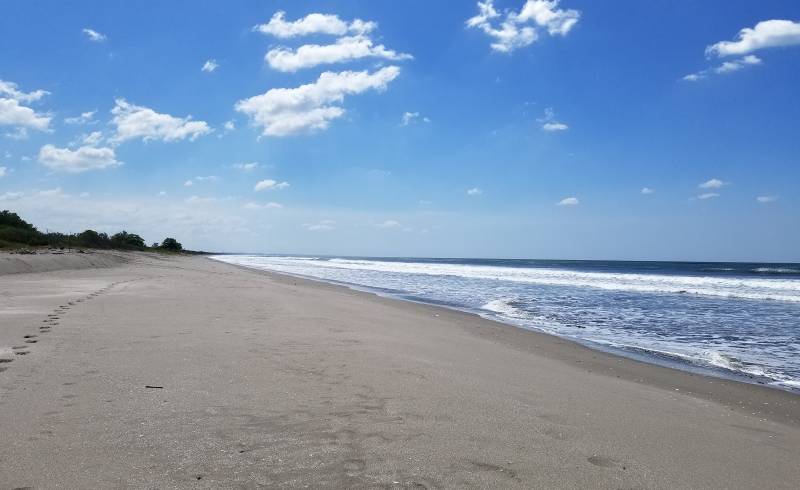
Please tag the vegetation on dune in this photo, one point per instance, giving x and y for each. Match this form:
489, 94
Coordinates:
15, 232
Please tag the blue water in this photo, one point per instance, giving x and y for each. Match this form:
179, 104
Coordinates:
738, 320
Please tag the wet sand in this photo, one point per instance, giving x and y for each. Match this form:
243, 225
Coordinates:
189, 373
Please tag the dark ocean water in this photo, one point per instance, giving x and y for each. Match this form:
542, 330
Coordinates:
738, 320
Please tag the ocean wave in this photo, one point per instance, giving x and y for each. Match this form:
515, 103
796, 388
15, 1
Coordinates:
728, 287
776, 270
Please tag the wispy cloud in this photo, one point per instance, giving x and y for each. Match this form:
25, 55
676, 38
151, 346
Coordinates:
647, 191
475, 191
766, 199
94, 36
708, 195
209, 66
568, 201
713, 184
549, 122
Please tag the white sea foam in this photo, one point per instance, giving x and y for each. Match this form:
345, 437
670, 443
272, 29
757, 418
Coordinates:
779, 289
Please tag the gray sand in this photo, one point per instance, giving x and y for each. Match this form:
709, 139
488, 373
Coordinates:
266, 380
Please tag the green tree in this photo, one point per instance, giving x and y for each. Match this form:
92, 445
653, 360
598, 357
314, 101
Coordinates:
127, 240
172, 245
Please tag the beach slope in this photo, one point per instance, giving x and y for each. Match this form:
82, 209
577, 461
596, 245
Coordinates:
183, 372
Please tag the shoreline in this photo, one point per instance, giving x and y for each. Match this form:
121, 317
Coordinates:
649, 357
184, 372
732, 393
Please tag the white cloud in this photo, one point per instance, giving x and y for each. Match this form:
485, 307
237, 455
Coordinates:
343, 50
766, 199
209, 66
254, 206
188, 183
246, 167
18, 134
10, 196
84, 118
569, 201
765, 34
736, 65
313, 24
647, 190
11, 90
287, 111
549, 122
412, 117
694, 77
92, 139
210, 178
708, 195
389, 223
134, 122
94, 36
162, 193
76, 161
14, 114
475, 191
229, 126
520, 29
269, 184
324, 225
713, 184
3, 172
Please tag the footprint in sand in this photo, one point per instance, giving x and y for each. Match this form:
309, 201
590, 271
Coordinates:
602, 461
20, 350
30, 338
6, 354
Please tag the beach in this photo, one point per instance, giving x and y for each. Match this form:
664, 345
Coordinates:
157, 371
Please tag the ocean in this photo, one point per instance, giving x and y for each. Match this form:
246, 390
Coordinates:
734, 320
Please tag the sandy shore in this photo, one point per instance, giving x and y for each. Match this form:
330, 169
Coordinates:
188, 373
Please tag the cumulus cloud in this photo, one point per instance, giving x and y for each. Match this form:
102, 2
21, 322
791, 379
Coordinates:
519, 29
3, 172
324, 225
344, 49
14, 113
569, 201
713, 184
84, 118
209, 66
549, 122
188, 183
475, 191
647, 191
310, 107
313, 24
765, 34
766, 199
80, 160
269, 184
94, 36
134, 122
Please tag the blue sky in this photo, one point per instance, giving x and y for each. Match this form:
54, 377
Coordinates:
512, 129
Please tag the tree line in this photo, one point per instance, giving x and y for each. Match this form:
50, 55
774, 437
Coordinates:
15, 232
